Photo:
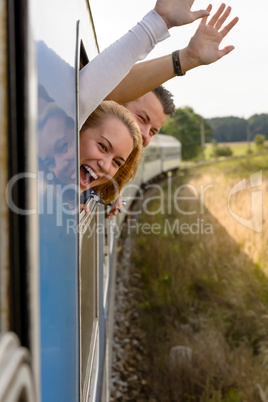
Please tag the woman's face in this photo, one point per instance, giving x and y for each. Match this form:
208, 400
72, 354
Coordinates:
103, 150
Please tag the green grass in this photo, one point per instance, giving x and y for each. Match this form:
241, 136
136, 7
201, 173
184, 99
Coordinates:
204, 293
238, 148
234, 167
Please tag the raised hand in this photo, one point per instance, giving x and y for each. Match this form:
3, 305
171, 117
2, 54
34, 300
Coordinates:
178, 12
203, 47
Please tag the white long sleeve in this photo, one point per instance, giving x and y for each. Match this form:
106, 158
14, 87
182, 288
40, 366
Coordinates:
100, 76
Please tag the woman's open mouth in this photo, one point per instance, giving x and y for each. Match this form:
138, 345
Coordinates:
87, 176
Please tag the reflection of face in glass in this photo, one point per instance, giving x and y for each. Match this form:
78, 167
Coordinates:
103, 150
56, 142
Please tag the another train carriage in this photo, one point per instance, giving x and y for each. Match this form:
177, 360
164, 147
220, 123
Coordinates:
152, 160
170, 152
161, 156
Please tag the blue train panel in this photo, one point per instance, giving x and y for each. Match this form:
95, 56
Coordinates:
55, 30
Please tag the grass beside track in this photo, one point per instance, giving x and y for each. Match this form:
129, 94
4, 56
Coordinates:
206, 286
238, 149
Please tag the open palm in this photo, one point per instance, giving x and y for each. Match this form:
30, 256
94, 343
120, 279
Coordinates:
204, 45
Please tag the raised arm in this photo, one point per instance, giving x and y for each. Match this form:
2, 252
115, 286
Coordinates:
99, 77
107, 69
202, 49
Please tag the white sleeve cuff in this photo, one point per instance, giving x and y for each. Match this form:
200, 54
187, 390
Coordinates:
156, 29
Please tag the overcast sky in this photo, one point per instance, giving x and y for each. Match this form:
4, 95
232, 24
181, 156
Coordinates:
236, 85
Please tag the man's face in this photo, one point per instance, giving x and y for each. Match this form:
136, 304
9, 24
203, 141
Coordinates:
149, 114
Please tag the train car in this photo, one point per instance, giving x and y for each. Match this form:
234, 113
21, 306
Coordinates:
152, 164
170, 153
52, 307
161, 156
57, 263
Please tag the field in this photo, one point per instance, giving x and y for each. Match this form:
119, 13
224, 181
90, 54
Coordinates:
238, 148
201, 248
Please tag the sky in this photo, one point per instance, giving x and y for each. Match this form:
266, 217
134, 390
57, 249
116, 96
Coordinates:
236, 85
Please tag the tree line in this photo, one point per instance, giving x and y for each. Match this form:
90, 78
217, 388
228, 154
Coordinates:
185, 125
235, 129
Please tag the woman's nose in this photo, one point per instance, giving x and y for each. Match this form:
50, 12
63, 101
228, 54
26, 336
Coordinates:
104, 165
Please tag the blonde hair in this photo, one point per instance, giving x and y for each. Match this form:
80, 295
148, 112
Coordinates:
126, 173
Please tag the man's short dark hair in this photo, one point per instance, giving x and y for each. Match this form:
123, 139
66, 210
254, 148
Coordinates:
166, 99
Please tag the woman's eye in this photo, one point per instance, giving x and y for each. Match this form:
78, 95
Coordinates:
103, 147
117, 163
141, 118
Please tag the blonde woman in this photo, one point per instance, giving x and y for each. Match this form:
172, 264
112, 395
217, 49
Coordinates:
110, 149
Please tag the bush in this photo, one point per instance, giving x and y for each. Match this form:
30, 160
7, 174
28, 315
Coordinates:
259, 140
224, 150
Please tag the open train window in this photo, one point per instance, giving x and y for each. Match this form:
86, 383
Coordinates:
108, 243
83, 56
89, 318
88, 285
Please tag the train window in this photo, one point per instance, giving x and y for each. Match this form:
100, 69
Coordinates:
106, 254
150, 154
83, 56
108, 245
89, 282
171, 152
158, 153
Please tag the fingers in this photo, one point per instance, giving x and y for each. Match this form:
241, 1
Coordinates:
200, 14
223, 18
218, 19
117, 207
204, 19
217, 15
226, 50
113, 212
85, 208
209, 8
229, 26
